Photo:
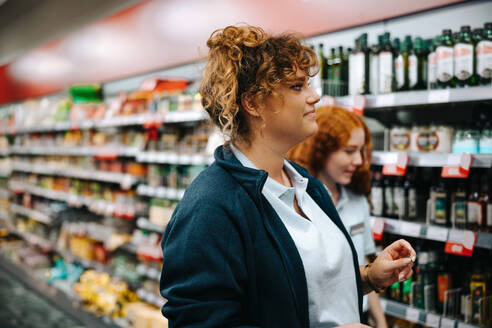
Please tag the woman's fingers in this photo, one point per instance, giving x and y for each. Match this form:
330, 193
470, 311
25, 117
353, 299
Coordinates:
402, 248
405, 273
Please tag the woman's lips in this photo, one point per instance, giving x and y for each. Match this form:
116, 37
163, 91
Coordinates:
311, 112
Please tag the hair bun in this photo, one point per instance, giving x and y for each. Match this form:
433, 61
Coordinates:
232, 38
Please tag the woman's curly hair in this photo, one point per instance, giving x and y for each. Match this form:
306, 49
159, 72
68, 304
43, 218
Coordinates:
245, 60
335, 125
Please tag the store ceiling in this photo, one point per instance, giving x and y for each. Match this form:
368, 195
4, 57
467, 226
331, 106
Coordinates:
50, 44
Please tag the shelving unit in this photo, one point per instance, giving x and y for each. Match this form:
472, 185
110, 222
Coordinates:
125, 180
429, 159
145, 224
76, 151
420, 316
419, 98
160, 192
423, 231
174, 158
33, 214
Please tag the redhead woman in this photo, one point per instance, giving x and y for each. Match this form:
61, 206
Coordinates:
339, 156
256, 240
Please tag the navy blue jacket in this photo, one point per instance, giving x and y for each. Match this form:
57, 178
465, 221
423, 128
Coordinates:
229, 261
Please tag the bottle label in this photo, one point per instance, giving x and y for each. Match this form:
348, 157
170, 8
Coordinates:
460, 209
427, 141
463, 60
484, 59
400, 141
412, 70
360, 73
373, 74
440, 208
385, 72
412, 203
399, 72
377, 201
475, 213
432, 69
399, 194
445, 69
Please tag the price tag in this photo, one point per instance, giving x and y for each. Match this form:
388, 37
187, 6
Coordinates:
173, 158
412, 315
410, 229
161, 192
447, 323
438, 96
163, 157
399, 168
393, 226
458, 166
461, 242
172, 193
437, 233
126, 181
378, 228
359, 104
432, 320
385, 100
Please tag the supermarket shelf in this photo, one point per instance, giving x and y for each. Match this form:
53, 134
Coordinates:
4, 193
150, 272
423, 231
151, 298
5, 216
107, 151
33, 214
145, 224
420, 316
4, 152
429, 159
119, 121
174, 158
97, 206
34, 239
70, 305
160, 192
418, 98
125, 180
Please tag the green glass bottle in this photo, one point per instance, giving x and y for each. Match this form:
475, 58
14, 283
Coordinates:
432, 63
416, 65
330, 80
344, 70
374, 66
445, 61
386, 76
464, 59
484, 56
336, 72
323, 66
359, 67
401, 66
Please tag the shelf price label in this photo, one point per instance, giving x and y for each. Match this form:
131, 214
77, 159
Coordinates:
447, 323
359, 104
378, 228
458, 166
432, 320
399, 167
461, 242
437, 233
412, 315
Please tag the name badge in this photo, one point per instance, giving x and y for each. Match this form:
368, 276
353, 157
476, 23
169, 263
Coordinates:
357, 229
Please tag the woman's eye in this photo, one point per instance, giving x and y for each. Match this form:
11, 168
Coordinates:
349, 151
297, 87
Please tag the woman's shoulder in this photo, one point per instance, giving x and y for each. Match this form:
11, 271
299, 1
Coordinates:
355, 198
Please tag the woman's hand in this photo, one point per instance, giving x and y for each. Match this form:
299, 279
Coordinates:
393, 264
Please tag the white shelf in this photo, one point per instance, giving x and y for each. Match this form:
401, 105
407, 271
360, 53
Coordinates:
428, 159
416, 315
119, 121
97, 206
5, 174
4, 193
125, 180
174, 158
160, 192
33, 214
34, 239
145, 224
417, 98
106, 151
424, 231
4, 152
151, 298
5, 216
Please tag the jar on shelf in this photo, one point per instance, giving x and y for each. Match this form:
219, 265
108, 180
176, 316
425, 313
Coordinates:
400, 138
445, 139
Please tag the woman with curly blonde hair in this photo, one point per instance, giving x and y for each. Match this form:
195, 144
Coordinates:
256, 240
339, 156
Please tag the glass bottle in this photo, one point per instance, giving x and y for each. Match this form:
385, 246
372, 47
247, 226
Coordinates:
464, 58
401, 66
388, 198
344, 70
440, 204
374, 66
399, 198
336, 71
323, 66
386, 66
458, 206
445, 62
410, 198
485, 144
474, 207
432, 64
416, 66
362, 64
484, 56
377, 197
331, 80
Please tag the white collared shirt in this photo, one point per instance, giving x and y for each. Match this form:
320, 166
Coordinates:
324, 250
354, 212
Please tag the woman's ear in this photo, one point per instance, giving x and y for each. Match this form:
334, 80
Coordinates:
249, 104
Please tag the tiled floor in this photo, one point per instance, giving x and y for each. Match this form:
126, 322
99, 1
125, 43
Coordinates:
23, 308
